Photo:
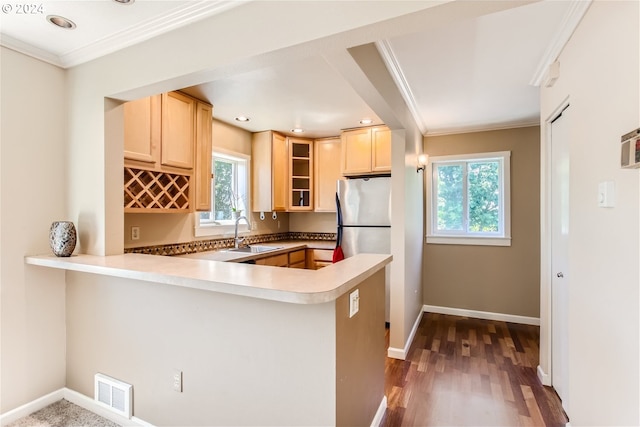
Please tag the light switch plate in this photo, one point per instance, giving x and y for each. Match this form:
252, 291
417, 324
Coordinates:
354, 303
177, 380
606, 194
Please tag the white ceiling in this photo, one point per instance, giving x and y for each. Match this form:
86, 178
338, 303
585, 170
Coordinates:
475, 74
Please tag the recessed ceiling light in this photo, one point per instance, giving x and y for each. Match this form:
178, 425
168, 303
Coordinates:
124, 1
297, 130
366, 121
61, 22
242, 119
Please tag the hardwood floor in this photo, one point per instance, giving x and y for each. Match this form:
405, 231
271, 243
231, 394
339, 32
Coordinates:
470, 372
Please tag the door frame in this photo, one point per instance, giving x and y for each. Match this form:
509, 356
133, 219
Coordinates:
544, 367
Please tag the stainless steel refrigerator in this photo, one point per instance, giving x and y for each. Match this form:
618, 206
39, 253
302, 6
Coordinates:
364, 219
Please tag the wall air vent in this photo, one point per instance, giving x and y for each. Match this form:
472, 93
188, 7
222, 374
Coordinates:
113, 394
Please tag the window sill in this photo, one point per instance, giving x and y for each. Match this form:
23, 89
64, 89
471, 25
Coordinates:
222, 230
469, 240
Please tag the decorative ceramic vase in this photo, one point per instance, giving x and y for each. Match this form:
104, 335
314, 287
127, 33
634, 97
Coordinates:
62, 238
236, 214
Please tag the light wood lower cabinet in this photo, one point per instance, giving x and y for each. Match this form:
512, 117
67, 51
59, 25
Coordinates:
293, 259
297, 259
318, 258
281, 260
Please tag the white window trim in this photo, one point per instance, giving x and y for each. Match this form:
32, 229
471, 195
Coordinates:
227, 228
470, 239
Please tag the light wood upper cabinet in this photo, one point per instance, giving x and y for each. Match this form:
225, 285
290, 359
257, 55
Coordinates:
366, 151
167, 154
203, 157
142, 130
356, 151
178, 128
269, 172
381, 150
300, 174
280, 175
326, 173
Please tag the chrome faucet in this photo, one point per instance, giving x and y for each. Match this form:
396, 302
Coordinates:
236, 239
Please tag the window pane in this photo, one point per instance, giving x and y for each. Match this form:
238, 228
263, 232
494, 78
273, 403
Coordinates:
449, 198
484, 196
223, 190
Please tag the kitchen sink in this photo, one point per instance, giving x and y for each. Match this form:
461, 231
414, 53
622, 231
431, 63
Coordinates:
254, 249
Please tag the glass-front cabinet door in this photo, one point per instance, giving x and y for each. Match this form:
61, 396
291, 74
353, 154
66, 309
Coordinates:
301, 174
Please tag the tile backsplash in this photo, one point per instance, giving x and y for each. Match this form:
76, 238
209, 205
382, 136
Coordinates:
213, 244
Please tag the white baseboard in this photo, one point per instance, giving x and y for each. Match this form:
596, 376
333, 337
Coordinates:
486, 315
401, 353
377, 419
73, 397
91, 405
544, 378
31, 407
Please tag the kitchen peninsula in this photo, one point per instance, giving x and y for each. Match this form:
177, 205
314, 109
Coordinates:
256, 345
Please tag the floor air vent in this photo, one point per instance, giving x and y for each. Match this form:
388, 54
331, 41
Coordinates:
113, 394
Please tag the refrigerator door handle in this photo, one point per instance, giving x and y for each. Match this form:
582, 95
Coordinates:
365, 226
339, 221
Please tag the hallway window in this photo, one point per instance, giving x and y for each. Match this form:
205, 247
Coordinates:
469, 199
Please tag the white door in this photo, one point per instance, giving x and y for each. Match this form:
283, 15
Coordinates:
559, 257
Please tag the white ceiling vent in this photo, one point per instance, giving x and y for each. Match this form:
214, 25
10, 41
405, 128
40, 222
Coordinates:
113, 394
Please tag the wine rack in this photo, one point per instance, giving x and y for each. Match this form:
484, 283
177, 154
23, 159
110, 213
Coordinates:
151, 191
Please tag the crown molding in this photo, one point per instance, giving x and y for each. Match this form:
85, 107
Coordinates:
485, 128
570, 22
390, 60
144, 31
29, 50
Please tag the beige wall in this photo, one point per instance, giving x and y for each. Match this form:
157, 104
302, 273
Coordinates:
33, 181
360, 357
406, 245
492, 278
244, 361
599, 77
159, 229
235, 352
313, 222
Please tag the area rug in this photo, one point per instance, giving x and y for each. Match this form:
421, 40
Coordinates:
63, 414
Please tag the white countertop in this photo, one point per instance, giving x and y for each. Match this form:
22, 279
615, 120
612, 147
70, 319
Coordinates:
271, 283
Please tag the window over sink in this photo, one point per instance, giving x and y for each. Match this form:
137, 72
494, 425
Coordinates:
229, 190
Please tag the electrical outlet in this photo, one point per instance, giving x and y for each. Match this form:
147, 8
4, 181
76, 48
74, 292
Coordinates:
135, 233
177, 381
354, 303
254, 225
